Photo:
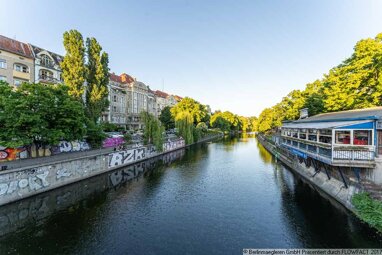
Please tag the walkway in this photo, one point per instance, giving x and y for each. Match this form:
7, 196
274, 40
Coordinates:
34, 162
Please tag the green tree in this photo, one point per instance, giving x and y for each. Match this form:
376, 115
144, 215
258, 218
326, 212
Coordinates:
357, 82
35, 113
198, 111
153, 130
73, 65
166, 118
97, 79
184, 122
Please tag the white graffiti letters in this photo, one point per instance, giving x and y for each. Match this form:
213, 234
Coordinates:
34, 181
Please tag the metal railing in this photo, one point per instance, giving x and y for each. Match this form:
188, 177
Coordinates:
343, 154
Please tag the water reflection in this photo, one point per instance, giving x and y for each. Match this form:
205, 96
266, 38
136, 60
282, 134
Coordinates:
38, 209
212, 198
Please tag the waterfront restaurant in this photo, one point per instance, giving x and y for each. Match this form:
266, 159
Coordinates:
349, 138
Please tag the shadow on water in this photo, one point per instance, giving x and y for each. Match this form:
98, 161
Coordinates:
315, 219
206, 199
29, 224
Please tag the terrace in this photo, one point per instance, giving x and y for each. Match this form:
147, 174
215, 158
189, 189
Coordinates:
338, 143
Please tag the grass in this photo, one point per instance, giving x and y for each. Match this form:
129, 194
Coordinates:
368, 209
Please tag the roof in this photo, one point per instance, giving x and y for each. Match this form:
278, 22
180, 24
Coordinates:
126, 78
178, 98
115, 78
14, 46
358, 114
159, 93
56, 57
323, 125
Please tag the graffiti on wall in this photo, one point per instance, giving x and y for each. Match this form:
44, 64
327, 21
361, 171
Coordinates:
173, 145
133, 171
112, 142
7, 154
126, 156
32, 180
65, 146
129, 156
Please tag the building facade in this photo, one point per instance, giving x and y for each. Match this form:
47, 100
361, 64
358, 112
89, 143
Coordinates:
16, 62
117, 110
46, 65
342, 139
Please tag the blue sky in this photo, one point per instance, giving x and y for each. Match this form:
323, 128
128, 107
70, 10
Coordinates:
239, 55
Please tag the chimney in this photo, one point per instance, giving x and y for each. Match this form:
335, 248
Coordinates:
304, 113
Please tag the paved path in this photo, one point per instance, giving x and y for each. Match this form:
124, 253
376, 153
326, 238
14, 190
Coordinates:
44, 160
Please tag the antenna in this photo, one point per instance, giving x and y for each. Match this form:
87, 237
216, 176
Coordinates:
162, 84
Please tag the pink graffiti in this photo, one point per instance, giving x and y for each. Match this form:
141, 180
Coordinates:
111, 142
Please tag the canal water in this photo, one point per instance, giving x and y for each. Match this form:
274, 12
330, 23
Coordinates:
211, 198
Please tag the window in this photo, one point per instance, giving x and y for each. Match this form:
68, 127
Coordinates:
342, 137
3, 63
18, 82
46, 60
312, 138
114, 108
325, 136
3, 78
362, 137
302, 136
294, 134
114, 98
21, 68
46, 74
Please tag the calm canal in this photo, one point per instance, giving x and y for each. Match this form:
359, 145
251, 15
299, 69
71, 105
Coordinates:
213, 198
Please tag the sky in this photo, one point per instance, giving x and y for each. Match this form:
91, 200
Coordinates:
241, 56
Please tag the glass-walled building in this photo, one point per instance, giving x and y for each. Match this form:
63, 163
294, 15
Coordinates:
349, 138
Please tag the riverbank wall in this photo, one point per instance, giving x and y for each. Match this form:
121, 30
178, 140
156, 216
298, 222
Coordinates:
331, 186
20, 183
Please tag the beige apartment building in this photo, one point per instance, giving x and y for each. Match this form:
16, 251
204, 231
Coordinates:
16, 62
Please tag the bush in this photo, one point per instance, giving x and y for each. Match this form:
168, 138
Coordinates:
368, 209
109, 127
127, 137
94, 134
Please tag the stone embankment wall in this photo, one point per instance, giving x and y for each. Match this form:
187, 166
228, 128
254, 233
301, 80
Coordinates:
39, 208
24, 182
333, 187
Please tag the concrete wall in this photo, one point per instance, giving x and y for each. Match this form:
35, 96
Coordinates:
20, 183
37, 209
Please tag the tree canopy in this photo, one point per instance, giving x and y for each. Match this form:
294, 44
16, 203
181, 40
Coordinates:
355, 83
198, 111
35, 113
166, 118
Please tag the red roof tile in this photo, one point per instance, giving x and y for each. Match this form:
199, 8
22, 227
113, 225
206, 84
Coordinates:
159, 93
127, 78
115, 78
14, 46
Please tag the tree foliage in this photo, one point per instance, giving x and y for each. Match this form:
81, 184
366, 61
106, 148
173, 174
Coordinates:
153, 130
73, 65
35, 113
197, 111
166, 118
355, 83
184, 123
97, 79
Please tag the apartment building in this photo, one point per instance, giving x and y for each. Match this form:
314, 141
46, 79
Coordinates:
46, 65
16, 62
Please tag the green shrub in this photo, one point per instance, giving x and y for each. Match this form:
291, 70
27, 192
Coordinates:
369, 210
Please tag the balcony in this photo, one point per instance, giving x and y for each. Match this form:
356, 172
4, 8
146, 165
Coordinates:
48, 79
338, 155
